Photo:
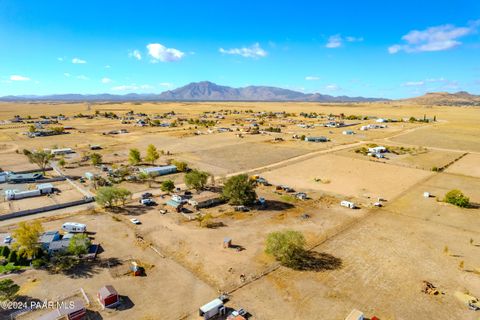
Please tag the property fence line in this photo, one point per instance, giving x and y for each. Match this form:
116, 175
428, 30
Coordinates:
32, 170
23, 213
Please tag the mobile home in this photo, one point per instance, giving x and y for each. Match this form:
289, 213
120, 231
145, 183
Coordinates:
74, 227
61, 151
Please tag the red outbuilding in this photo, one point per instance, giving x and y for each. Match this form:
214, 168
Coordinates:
108, 296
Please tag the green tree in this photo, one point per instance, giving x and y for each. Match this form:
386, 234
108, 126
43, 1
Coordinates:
167, 186
5, 251
40, 158
288, 247
134, 157
196, 179
456, 197
79, 244
8, 289
96, 158
62, 162
26, 236
240, 190
108, 197
152, 154
13, 257
32, 129
181, 165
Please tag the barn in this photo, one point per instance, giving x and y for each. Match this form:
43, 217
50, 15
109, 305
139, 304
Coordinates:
108, 297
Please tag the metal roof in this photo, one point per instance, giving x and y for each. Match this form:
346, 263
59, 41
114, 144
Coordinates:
212, 305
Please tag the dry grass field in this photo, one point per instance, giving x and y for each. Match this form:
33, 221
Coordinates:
374, 259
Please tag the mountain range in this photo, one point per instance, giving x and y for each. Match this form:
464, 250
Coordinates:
201, 91
208, 91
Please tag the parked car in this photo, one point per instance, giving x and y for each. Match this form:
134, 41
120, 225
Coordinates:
148, 202
135, 221
8, 239
147, 195
241, 208
239, 312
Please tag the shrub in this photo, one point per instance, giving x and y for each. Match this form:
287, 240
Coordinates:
456, 197
38, 263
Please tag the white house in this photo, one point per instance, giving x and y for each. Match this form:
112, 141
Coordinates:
379, 149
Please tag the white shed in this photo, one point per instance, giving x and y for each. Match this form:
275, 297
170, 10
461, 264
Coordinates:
348, 204
212, 309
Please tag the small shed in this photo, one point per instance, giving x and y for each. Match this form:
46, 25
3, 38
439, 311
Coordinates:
174, 204
348, 204
108, 296
212, 309
227, 242
89, 175
355, 315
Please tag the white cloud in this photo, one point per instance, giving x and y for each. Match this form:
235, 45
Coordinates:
60, 59
413, 83
107, 66
82, 77
165, 84
106, 80
254, 51
66, 74
132, 87
19, 78
337, 40
436, 80
312, 78
135, 54
161, 53
334, 41
332, 87
78, 61
437, 38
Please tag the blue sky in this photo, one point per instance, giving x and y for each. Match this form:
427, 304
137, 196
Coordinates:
389, 49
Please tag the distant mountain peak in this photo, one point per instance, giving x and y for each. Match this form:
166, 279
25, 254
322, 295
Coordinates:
460, 98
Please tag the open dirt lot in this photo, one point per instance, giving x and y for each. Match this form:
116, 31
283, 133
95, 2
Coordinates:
468, 165
351, 177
